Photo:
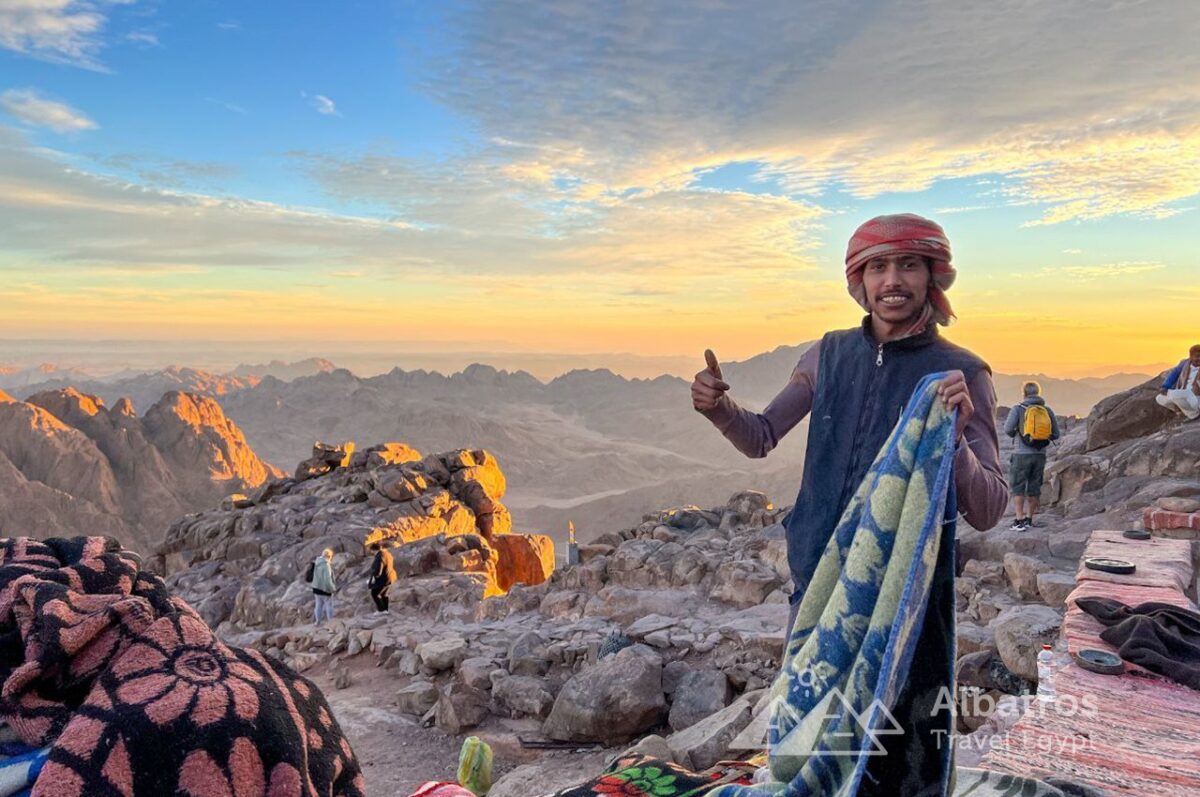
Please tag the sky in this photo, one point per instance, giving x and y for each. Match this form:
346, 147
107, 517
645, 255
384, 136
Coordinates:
590, 177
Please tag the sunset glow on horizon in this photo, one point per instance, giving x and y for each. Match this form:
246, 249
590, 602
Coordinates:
520, 177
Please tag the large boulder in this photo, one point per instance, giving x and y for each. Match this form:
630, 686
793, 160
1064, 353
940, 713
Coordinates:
624, 605
610, 702
527, 655
698, 694
417, 697
1069, 477
708, 741
460, 707
1128, 415
744, 583
522, 559
1054, 588
1023, 572
972, 638
384, 454
522, 695
1020, 633
443, 654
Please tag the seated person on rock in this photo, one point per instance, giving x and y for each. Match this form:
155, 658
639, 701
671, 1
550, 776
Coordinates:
1180, 391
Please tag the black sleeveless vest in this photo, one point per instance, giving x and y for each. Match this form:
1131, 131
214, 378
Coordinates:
862, 388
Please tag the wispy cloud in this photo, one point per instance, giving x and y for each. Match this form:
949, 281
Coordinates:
1102, 271
229, 24
61, 31
962, 209
1072, 251
142, 37
34, 109
168, 172
229, 106
324, 105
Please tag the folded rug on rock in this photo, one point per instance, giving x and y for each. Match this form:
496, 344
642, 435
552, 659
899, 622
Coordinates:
135, 696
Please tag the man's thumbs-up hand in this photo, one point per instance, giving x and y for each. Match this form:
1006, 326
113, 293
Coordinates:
708, 387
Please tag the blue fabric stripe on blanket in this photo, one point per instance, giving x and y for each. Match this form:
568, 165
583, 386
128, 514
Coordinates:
19, 772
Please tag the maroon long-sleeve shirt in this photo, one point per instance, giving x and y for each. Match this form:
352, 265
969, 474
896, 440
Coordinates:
978, 479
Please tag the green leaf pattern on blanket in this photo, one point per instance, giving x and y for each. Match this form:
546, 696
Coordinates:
637, 781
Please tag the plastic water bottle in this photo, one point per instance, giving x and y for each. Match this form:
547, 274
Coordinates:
1062, 656
1045, 687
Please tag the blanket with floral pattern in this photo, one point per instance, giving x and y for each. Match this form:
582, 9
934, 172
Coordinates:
135, 695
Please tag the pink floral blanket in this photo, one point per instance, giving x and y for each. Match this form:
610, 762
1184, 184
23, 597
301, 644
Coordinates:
137, 697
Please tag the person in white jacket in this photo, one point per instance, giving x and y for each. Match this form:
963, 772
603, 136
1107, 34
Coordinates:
323, 586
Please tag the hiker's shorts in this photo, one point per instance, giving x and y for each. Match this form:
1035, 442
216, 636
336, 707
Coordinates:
1025, 474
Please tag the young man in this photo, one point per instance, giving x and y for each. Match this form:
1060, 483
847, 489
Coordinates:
323, 586
383, 574
855, 383
1028, 465
1180, 391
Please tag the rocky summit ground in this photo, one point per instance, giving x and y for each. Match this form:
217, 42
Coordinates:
665, 634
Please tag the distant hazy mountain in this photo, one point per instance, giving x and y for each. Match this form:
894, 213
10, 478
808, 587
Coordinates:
12, 378
758, 380
144, 389
1067, 396
283, 370
69, 465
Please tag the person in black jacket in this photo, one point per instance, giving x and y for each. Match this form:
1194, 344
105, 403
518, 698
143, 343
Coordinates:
383, 574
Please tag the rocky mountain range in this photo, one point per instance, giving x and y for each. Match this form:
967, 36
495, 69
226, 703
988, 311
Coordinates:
589, 446
69, 464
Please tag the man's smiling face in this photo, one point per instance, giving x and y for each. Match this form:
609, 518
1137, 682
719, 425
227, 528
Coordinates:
897, 286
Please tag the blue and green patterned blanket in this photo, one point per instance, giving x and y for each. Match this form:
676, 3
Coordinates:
853, 641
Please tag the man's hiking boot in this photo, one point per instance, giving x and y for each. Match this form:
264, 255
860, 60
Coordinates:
1018, 525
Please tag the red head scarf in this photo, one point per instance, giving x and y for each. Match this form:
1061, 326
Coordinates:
903, 233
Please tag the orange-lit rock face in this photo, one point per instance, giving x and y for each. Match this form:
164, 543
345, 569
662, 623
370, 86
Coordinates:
454, 496
522, 559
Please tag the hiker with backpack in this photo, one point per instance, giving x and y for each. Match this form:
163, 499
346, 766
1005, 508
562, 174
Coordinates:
1033, 426
1180, 391
320, 575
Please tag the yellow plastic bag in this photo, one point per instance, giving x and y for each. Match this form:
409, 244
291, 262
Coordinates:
475, 766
